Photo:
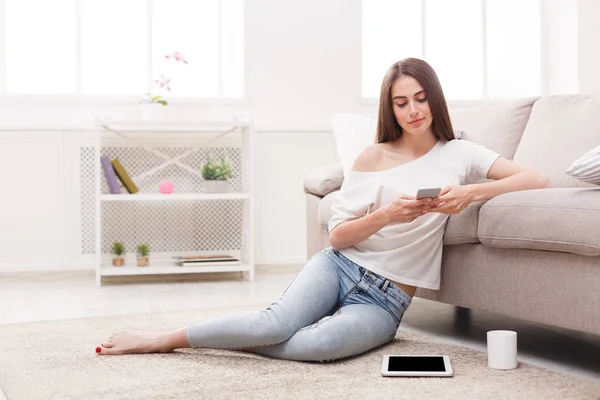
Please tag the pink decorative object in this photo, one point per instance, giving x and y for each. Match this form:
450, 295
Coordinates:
166, 187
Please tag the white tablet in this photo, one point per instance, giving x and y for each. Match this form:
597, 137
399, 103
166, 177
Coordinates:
416, 365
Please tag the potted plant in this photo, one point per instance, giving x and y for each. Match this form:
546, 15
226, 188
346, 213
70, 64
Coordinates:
216, 175
149, 104
118, 251
151, 107
143, 251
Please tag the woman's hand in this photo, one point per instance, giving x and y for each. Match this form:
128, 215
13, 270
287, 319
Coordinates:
453, 199
407, 208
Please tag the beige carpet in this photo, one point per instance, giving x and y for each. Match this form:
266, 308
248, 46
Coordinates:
56, 360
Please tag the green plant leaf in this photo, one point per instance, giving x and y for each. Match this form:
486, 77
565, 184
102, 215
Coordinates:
143, 249
213, 170
118, 249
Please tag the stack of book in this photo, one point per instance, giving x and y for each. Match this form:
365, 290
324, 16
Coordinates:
113, 170
206, 260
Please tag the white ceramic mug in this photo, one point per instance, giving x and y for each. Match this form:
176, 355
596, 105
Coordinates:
502, 349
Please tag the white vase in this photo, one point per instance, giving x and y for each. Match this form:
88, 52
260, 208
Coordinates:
221, 186
151, 111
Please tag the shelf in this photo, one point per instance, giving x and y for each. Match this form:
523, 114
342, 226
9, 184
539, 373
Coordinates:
174, 196
170, 126
168, 268
143, 142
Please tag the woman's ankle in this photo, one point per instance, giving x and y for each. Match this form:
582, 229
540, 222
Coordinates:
170, 341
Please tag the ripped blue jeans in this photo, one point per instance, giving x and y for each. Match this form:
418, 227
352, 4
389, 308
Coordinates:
333, 309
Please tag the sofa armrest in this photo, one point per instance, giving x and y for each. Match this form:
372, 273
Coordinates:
324, 179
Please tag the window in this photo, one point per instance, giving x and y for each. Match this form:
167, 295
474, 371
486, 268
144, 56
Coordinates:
40, 46
115, 47
479, 48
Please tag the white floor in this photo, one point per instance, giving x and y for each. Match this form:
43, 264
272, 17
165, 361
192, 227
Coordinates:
50, 296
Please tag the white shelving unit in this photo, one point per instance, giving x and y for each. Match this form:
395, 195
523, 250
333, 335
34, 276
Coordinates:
148, 140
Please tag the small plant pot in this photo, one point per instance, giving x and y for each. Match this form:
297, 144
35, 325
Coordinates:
118, 261
222, 186
143, 261
151, 112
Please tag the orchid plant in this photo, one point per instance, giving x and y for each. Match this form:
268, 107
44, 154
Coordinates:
148, 99
163, 82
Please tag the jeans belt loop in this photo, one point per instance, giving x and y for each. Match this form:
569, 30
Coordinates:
364, 275
385, 285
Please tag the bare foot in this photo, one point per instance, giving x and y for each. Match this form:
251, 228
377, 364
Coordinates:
131, 342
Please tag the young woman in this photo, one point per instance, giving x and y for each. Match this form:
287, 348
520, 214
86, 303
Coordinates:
350, 297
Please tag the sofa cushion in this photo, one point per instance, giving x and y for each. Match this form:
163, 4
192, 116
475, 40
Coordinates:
325, 213
497, 126
324, 179
587, 167
560, 130
555, 219
461, 228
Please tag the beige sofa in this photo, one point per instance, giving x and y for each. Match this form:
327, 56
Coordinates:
532, 255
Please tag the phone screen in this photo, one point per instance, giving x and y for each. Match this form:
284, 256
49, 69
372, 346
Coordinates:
409, 363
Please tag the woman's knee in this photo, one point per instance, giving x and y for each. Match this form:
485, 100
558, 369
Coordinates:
305, 345
333, 338
321, 350
271, 326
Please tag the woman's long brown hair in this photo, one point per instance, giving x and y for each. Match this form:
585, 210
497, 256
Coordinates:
388, 128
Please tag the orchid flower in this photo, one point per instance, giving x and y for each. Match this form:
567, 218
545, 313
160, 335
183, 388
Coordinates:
164, 82
177, 57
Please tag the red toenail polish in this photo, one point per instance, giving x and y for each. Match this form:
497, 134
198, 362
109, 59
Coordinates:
98, 349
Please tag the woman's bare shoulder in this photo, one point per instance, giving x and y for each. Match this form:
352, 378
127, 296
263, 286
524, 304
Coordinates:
368, 159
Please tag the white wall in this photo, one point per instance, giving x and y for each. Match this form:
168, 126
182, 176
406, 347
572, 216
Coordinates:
33, 200
589, 49
282, 162
571, 37
560, 51
304, 61
303, 64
